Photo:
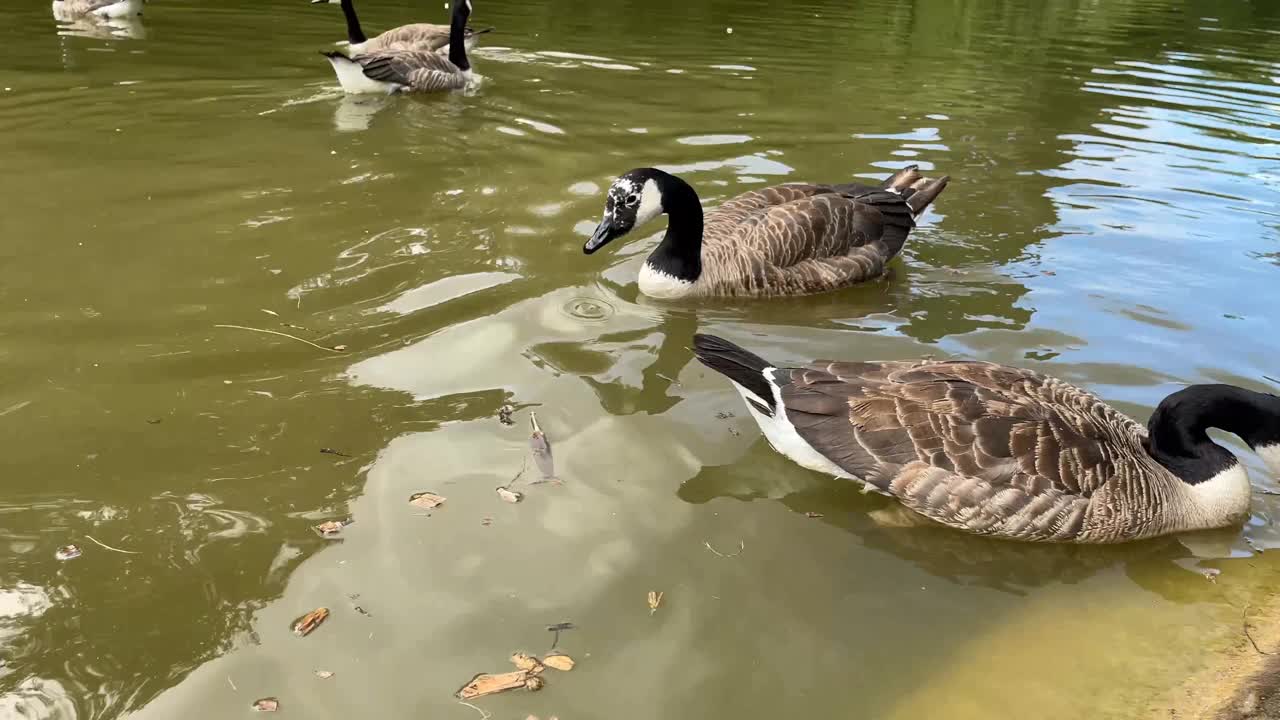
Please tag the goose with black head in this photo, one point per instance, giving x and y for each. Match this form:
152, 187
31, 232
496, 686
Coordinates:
417, 71
1006, 452
792, 239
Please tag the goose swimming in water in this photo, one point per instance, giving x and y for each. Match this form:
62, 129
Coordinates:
394, 71
1005, 452
427, 37
792, 239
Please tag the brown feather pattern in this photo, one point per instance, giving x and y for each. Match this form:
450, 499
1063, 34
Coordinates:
985, 448
796, 239
416, 70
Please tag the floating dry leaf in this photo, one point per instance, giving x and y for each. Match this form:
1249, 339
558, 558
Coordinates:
324, 674
655, 599
267, 704
1211, 574
68, 552
331, 528
540, 444
304, 625
814, 515
558, 661
426, 500
485, 684
510, 496
340, 348
525, 662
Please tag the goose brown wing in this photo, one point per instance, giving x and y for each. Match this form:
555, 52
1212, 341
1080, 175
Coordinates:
817, 241
418, 70
738, 208
981, 447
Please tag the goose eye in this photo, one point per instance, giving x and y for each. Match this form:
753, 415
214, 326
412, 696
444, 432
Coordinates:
632, 199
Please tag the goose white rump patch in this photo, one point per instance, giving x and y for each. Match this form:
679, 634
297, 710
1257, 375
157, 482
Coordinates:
353, 80
124, 8
782, 435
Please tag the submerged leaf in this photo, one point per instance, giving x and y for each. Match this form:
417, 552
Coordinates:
267, 704
304, 625
527, 663
559, 661
331, 528
485, 684
68, 552
426, 500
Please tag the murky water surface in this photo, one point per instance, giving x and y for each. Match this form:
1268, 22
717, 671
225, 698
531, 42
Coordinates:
1112, 219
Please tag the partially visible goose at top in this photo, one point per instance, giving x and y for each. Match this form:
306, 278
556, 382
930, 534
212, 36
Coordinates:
1005, 452
392, 71
428, 37
792, 239
98, 8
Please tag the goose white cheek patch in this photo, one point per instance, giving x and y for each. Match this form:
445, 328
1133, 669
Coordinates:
650, 203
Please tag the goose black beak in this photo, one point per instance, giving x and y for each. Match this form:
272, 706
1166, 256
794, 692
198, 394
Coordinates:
601, 237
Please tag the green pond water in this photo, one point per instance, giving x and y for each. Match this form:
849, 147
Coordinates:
1112, 219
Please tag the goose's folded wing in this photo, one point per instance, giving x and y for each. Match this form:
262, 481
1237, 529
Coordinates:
412, 68
981, 447
822, 226
737, 208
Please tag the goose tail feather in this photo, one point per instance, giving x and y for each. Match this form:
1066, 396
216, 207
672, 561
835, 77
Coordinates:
736, 363
918, 190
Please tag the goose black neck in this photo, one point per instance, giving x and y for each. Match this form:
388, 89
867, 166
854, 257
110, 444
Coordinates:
680, 252
354, 34
1177, 433
458, 36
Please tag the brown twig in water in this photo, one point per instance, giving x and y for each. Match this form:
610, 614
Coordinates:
1244, 624
287, 335
483, 714
741, 546
114, 549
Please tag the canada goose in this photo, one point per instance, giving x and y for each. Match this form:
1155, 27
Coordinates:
97, 8
391, 71
792, 239
1006, 452
428, 37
